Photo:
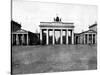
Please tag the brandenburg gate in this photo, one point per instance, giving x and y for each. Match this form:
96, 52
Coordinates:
57, 25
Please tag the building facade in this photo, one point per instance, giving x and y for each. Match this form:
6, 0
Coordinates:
54, 27
21, 37
76, 38
87, 37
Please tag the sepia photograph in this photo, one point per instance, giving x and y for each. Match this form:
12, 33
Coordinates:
52, 37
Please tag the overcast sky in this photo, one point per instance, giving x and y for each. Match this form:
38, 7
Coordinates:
30, 14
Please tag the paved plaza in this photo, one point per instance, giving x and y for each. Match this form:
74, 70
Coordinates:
53, 58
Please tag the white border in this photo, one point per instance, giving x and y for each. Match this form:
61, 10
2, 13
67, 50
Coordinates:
5, 36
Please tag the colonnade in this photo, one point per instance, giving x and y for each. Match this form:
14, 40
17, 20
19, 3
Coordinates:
23, 39
61, 32
89, 38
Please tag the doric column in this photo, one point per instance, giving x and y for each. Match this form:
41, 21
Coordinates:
22, 38
41, 36
72, 37
17, 40
79, 39
47, 39
87, 38
27, 39
92, 38
66, 36
61, 36
53, 36
95, 38
12, 38
84, 39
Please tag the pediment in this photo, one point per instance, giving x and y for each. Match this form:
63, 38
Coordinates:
21, 31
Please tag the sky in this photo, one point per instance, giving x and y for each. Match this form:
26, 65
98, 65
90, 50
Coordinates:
30, 13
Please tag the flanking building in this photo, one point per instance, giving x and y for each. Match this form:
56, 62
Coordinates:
87, 37
93, 27
22, 37
56, 26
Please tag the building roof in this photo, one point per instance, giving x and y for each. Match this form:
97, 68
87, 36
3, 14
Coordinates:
89, 31
93, 25
15, 23
22, 31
